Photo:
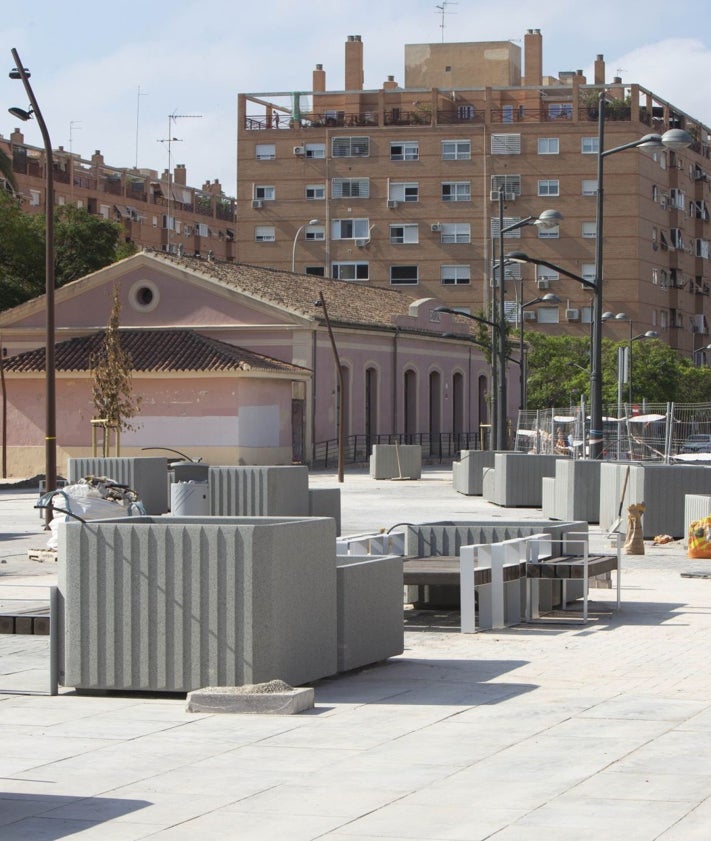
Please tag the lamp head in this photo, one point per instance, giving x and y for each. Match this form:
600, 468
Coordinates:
649, 141
548, 219
677, 138
550, 298
15, 73
312, 222
21, 114
518, 257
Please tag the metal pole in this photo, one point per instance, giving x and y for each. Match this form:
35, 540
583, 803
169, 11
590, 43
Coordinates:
50, 433
339, 375
596, 430
502, 401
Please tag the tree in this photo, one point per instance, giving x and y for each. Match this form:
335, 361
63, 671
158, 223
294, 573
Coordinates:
111, 369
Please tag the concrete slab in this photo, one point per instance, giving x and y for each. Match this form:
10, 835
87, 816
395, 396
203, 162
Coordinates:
272, 698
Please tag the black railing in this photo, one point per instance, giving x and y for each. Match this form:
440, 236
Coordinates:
441, 447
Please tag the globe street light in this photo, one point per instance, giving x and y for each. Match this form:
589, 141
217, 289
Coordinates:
296, 237
546, 219
50, 429
495, 408
627, 362
672, 139
549, 298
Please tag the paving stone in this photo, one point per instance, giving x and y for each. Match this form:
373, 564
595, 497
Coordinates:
272, 698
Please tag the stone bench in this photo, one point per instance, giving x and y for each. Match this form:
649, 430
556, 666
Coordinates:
573, 492
515, 479
467, 473
393, 461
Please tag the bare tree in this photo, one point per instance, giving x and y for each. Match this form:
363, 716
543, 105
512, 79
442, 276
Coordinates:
112, 368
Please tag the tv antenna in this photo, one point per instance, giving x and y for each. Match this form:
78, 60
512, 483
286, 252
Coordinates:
172, 118
443, 10
138, 111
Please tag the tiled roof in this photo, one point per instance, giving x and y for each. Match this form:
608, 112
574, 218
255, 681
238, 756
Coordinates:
347, 302
154, 351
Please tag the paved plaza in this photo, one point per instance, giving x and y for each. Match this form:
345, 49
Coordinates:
543, 731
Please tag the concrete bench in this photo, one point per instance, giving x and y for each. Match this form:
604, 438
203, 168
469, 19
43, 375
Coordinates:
515, 479
573, 492
467, 473
393, 461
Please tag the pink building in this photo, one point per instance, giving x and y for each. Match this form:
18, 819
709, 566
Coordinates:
234, 364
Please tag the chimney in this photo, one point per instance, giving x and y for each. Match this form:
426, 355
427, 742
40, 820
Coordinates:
319, 79
17, 138
354, 63
97, 159
600, 70
533, 57
180, 175
390, 84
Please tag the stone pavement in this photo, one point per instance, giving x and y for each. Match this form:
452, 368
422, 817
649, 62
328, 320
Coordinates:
536, 732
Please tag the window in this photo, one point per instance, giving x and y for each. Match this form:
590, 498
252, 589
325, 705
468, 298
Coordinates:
456, 150
350, 147
546, 275
264, 233
548, 187
589, 187
314, 150
455, 275
403, 275
507, 114
104, 210
404, 234
168, 222
548, 146
350, 229
263, 192
404, 191
506, 184
318, 271
589, 230
202, 230
456, 232
655, 276
587, 271
349, 271
465, 112
408, 151
315, 232
265, 151
560, 111
35, 198
586, 315
510, 220
676, 238
588, 145
315, 191
505, 144
351, 188
456, 191
549, 233
547, 315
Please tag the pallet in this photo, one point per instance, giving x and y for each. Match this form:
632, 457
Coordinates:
41, 555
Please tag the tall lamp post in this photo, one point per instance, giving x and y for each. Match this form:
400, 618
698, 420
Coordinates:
50, 430
548, 298
494, 348
673, 139
627, 363
296, 237
547, 219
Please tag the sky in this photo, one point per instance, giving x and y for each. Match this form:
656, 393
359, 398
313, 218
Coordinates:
109, 76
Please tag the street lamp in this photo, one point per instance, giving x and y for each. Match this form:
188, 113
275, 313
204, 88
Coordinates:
50, 435
296, 237
627, 363
495, 408
549, 298
339, 379
546, 219
699, 350
672, 139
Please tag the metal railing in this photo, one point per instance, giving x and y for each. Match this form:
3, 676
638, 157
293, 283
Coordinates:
439, 447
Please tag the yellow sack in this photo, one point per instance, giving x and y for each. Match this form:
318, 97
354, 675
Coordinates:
700, 538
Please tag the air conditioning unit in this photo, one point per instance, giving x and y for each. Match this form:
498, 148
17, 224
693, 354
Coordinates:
572, 315
392, 203
299, 151
543, 283
436, 227
257, 204
361, 243
529, 315
494, 196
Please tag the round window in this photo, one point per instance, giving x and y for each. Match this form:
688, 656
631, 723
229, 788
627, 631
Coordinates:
144, 296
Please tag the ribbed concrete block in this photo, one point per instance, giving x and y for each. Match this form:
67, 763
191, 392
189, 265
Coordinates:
272, 698
147, 476
270, 491
390, 462
517, 479
370, 609
696, 507
175, 604
326, 502
548, 499
467, 473
576, 490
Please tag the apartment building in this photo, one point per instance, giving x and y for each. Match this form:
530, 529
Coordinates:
161, 212
399, 186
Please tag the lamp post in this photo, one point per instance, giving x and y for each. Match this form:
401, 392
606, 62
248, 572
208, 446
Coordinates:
494, 348
703, 350
627, 362
296, 237
550, 298
50, 430
547, 219
339, 379
672, 139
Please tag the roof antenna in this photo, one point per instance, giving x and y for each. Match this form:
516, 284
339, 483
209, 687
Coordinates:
444, 11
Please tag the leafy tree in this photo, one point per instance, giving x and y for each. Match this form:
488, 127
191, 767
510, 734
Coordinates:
21, 254
6, 169
111, 369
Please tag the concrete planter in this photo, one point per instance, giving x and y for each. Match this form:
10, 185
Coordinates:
147, 476
467, 473
384, 461
370, 609
273, 491
175, 604
516, 479
574, 492
696, 507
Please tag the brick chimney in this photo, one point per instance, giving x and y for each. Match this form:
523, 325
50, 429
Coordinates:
600, 70
318, 84
533, 57
354, 63
180, 175
97, 159
390, 84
